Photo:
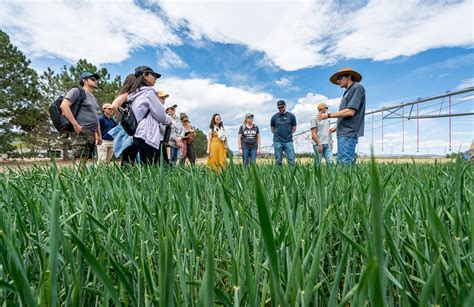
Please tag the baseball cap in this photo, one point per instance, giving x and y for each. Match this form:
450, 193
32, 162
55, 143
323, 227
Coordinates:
322, 105
140, 70
162, 94
281, 103
248, 115
86, 75
170, 105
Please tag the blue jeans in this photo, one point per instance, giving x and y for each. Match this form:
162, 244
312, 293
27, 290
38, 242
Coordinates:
289, 152
346, 150
249, 155
327, 153
174, 154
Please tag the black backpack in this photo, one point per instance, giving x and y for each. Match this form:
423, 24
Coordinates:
128, 120
60, 122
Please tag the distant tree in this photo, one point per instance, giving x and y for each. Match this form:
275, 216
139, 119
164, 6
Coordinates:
200, 144
56, 84
20, 107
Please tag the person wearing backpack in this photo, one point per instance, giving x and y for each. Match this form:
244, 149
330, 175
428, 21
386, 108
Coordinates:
149, 113
81, 101
248, 140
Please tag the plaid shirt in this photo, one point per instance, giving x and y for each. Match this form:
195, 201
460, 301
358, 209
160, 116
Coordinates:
177, 130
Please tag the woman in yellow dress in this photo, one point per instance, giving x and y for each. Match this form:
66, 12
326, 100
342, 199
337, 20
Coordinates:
216, 143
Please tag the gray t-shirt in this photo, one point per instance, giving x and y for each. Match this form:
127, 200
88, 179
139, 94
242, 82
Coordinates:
353, 98
88, 115
322, 129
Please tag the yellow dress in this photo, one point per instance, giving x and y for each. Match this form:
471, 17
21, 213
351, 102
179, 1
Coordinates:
218, 153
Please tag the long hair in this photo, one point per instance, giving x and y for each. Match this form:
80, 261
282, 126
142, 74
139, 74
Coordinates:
183, 115
221, 125
127, 84
139, 82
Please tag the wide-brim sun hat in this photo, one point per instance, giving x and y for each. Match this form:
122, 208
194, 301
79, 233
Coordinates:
346, 71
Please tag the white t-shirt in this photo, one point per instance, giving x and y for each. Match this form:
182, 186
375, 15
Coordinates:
322, 128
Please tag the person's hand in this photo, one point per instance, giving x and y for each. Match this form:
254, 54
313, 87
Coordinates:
258, 151
332, 143
332, 130
209, 153
322, 116
99, 140
77, 128
240, 151
320, 148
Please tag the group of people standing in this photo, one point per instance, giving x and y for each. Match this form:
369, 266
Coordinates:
163, 136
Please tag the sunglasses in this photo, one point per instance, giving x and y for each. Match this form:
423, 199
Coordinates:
107, 108
92, 78
281, 107
340, 77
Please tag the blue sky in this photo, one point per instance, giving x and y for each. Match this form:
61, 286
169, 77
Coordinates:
234, 57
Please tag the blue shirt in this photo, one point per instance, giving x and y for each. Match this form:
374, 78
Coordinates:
283, 124
106, 124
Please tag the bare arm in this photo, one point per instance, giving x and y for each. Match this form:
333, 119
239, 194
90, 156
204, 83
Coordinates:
209, 137
273, 130
118, 102
314, 135
66, 111
239, 140
98, 134
293, 129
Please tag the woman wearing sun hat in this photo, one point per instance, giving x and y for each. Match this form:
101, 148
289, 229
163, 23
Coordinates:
249, 140
351, 114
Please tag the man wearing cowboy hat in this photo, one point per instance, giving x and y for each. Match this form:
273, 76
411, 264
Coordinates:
351, 114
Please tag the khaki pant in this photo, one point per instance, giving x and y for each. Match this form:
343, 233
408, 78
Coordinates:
105, 151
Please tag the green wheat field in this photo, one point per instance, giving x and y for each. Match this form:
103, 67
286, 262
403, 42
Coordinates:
375, 235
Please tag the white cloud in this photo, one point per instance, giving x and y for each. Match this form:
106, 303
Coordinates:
299, 34
386, 29
283, 82
168, 59
290, 34
101, 31
305, 109
466, 83
286, 84
203, 97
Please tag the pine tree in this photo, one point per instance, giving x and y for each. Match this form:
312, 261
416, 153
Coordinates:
20, 110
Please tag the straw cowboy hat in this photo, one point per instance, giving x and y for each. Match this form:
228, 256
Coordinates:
346, 71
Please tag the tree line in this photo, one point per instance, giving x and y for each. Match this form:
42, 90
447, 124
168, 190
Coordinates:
26, 95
